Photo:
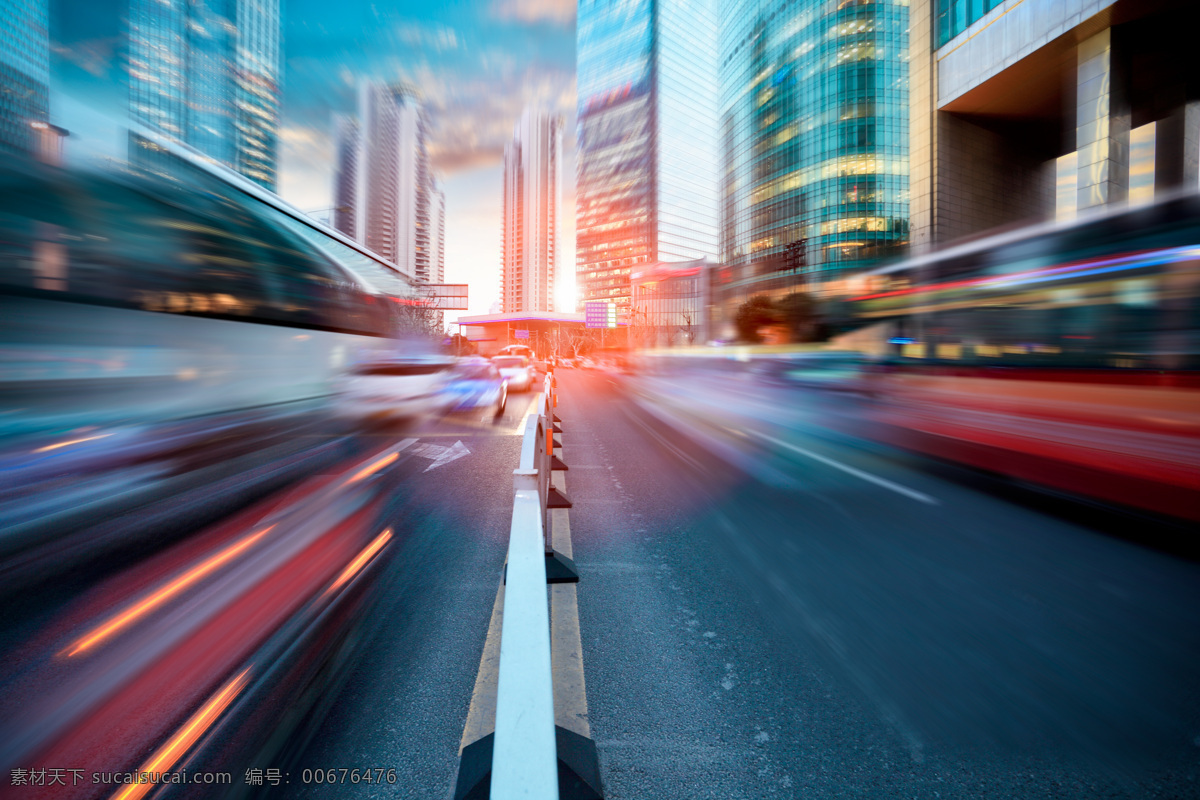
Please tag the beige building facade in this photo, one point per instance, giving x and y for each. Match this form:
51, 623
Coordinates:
1046, 108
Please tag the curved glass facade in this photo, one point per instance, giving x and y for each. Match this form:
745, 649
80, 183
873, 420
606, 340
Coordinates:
814, 129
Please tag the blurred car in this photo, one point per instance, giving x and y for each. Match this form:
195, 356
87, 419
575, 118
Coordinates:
517, 370
516, 350
394, 388
566, 363
475, 383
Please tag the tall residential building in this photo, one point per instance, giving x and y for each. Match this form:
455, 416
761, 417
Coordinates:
1044, 108
532, 213
814, 128
646, 188
348, 182
437, 236
385, 195
207, 74
24, 72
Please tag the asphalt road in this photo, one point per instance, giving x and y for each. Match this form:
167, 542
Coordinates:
768, 610
403, 705
784, 613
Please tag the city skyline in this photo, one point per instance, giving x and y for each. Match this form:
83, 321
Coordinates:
477, 64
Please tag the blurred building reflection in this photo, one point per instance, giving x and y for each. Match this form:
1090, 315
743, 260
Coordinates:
532, 213
207, 74
814, 127
24, 72
647, 176
385, 192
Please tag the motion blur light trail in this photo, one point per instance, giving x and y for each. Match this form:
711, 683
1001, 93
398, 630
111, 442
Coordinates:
168, 591
170, 753
245, 592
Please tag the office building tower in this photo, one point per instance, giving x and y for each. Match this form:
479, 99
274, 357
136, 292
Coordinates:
532, 213
207, 74
24, 72
814, 130
1048, 108
646, 188
385, 195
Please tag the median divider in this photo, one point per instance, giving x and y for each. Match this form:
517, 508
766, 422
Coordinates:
528, 755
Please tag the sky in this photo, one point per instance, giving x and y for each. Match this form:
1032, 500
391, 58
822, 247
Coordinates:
477, 64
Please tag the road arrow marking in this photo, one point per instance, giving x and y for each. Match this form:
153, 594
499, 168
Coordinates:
441, 455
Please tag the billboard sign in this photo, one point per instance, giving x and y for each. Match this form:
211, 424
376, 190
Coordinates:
600, 314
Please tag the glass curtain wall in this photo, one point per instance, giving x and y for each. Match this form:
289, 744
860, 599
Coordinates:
685, 135
814, 128
615, 181
955, 16
24, 71
647, 180
207, 74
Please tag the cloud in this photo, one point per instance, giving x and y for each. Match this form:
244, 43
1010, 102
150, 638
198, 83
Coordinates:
472, 120
559, 12
306, 157
429, 36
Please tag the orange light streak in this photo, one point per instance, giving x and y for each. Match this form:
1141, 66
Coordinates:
371, 469
167, 592
70, 442
185, 737
361, 560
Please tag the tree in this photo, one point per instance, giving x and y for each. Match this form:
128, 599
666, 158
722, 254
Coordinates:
417, 317
688, 327
801, 314
755, 313
462, 346
581, 340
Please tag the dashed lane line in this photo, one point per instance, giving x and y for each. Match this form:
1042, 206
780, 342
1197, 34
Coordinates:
858, 473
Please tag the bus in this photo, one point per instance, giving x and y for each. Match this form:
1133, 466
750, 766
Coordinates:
1067, 355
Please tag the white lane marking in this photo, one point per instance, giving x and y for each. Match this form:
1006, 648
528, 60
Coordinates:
858, 473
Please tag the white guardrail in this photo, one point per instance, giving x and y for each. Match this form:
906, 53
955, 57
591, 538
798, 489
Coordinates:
524, 754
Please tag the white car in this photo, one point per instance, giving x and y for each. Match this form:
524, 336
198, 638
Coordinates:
518, 371
394, 388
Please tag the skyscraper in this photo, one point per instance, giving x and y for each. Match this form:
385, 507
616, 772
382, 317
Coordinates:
646, 188
384, 194
348, 182
24, 71
532, 213
437, 236
207, 74
814, 130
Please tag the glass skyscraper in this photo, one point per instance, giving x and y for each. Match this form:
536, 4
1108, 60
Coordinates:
814, 127
207, 74
646, 187
24, 71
